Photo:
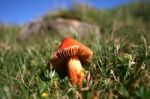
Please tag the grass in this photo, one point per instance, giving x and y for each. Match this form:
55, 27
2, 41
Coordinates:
120, 66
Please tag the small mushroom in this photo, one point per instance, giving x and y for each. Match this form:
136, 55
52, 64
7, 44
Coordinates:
73, 55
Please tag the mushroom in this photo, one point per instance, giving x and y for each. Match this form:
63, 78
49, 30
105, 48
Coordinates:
73, 55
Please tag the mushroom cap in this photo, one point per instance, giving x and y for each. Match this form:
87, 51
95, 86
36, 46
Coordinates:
68, 48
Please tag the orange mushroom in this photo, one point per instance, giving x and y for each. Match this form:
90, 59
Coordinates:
73, 55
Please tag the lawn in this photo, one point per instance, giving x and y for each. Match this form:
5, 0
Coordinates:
120, 67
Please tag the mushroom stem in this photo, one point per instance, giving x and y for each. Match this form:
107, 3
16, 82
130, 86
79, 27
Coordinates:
75, 70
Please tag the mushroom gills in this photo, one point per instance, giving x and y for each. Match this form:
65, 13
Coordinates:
75, 70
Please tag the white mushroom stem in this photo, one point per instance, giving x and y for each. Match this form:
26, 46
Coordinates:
75, 70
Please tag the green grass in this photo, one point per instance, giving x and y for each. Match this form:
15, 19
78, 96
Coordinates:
120, 67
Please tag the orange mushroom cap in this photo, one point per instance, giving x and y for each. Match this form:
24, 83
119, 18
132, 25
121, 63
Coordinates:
68, 48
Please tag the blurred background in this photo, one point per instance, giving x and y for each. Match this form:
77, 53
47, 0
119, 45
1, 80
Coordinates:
20, 12
72, 17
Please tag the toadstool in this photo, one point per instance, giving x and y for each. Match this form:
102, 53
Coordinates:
72, 55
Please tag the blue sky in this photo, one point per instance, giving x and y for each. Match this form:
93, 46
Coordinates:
22, 11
